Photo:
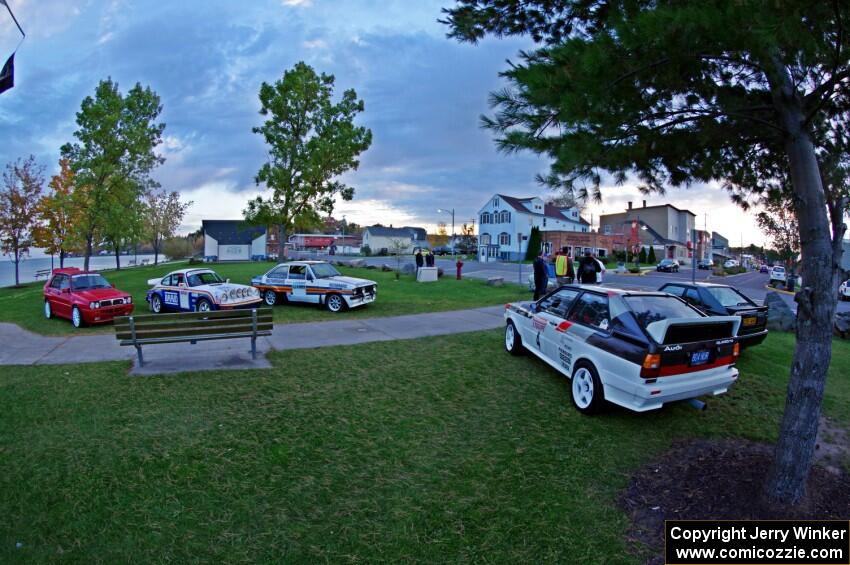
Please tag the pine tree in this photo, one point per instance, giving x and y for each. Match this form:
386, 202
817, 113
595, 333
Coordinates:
650, 258
642, 255
534, 242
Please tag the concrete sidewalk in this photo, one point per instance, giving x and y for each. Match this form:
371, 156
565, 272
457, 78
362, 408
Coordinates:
21, 347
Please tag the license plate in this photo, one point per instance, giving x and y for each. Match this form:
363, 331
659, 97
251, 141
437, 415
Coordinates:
699, 357
750, 321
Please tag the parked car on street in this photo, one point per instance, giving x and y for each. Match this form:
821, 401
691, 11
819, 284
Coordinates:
84, 297
764, 269
316, 282
198, 290
668, 266
777, 276
844, 290
724, 300
637, 349
704, 264
730, 264
442, 250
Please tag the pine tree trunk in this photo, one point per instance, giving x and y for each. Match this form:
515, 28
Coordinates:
281, 243
787, 477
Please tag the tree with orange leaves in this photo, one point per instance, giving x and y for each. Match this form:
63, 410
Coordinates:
19, 197
57, 212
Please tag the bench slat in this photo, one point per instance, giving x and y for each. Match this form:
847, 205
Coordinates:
243, 312
199, 338
193, 323
191, 333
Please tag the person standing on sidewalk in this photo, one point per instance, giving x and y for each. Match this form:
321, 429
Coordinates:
541, 276
588, 268
420, 262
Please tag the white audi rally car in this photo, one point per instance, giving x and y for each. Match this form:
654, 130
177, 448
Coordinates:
637, 349
317, 282
199, 290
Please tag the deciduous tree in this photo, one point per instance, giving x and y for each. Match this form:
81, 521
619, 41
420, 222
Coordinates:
311, 141
58, 215
19, 198
163, 214
112, 158
679, 92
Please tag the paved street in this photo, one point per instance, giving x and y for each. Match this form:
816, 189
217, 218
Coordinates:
751, 284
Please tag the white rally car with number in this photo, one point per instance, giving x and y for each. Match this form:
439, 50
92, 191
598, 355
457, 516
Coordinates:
199, 290
636, 349
316, 282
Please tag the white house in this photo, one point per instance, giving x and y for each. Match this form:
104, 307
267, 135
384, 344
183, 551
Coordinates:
505, 223
233, 240
379, 238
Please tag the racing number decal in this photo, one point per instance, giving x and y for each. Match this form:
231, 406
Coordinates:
171, 298
565, 356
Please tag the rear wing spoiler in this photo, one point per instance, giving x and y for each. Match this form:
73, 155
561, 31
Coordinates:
680, 329
154, 282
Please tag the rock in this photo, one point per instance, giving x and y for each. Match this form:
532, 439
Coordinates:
779, 314
359, 263
440, 272
495, 281
386, 268
371, 266
408, 269
841, 324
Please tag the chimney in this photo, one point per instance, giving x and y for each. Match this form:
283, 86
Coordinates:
630, 204
644, 203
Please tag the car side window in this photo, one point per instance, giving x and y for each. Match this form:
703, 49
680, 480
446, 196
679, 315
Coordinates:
177, 279
692, 297
279, 272
559, 303
675, 290
64, 282
298, 272
56, 282
591, 310
195, 280
166, 281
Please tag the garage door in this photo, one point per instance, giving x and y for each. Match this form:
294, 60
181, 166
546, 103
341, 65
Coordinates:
234, 252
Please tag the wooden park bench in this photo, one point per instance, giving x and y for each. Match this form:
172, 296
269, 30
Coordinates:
192, 327
43, 273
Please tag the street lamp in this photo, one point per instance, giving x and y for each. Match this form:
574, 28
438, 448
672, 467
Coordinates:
452, 212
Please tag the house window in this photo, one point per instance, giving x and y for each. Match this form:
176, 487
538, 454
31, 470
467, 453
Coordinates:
606, 230
575, 213
485, 239
496, 202
485, 218
505, 217
504, 238
544, 222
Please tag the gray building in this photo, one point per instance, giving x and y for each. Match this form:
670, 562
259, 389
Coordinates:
667, 228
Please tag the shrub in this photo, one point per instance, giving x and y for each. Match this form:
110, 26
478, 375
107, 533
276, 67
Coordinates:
634, 270
177, 248
735, 270
366, 250
642, 255
650, 258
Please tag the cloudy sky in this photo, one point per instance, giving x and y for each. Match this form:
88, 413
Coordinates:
206, 59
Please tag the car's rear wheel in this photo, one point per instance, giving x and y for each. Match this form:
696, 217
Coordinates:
76, 317
586, 388
48, 311
203, 305
513, 341
334, 303
156, 304
270, 297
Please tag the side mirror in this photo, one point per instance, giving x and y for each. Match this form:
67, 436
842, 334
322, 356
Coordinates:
113, 285
227, 280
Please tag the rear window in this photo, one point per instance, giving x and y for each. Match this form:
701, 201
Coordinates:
649, 309
728, 296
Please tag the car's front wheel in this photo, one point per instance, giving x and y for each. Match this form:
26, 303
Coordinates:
586, 388
156, 304
334, 303
270, 297
513, 341
48, 311
203, 305
76, 317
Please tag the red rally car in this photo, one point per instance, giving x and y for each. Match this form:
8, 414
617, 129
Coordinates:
84, 297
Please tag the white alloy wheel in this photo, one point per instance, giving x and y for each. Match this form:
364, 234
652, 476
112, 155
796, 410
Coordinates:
270, 297
204, 305
334, 302
48, 312
583, 388
156, 304
510, 337
76, 317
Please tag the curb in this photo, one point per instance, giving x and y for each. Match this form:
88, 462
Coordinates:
788, 292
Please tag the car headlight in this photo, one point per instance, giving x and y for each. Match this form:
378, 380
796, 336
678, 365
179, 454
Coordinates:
94, 305
128, 300
223, 297
232, 293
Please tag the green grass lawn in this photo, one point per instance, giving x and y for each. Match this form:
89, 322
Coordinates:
23, 306
437, 449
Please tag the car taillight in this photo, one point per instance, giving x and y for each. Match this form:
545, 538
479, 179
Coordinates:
736, 349
651, 366
563, 326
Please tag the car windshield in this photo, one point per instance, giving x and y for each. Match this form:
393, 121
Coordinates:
649, 309
666, 261
85, 282
207, 277
324, 270
728, 296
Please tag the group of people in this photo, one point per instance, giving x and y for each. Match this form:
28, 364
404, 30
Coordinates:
588, 270
425, 259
